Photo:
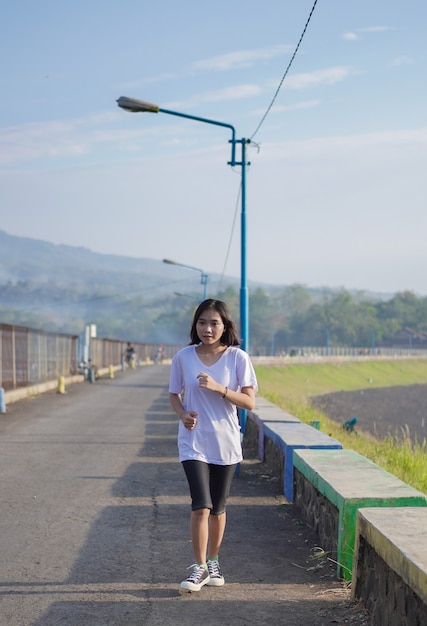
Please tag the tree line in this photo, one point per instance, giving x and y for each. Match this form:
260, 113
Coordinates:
294, 317
280, 318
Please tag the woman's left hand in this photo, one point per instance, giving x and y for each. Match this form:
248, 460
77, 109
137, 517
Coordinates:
207, 382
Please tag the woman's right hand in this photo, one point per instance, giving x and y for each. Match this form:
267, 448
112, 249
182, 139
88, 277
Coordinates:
189, 419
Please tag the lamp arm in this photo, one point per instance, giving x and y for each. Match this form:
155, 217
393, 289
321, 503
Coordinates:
208, 121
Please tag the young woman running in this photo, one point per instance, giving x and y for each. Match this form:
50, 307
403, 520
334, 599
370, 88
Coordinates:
209, 379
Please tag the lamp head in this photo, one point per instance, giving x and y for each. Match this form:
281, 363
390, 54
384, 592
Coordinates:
169, 262
133, 105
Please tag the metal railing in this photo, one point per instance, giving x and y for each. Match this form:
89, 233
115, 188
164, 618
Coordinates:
29, 356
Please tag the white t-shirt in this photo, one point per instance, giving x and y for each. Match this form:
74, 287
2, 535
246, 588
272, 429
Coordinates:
216, 436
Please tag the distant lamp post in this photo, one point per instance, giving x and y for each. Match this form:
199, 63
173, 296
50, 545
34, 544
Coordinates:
204, 277
195, 302
141, 106
182, 295
328, 342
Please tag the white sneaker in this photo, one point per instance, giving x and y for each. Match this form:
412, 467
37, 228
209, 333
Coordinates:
216, 579
198, 577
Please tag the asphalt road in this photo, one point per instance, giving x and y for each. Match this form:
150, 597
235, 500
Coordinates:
94, 522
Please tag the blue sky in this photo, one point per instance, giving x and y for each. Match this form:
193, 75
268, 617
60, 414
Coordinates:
337, 186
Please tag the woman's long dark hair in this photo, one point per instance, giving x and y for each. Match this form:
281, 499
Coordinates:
229, 336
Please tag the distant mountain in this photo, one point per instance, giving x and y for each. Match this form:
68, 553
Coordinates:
23, 258
26, 259
59, 287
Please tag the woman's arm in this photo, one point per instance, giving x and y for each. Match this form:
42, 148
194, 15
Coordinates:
244, 399
188, 418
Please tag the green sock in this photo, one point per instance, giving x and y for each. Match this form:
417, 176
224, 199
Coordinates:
213, 558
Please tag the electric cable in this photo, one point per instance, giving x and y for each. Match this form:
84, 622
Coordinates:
285, 74
257, 146
230, 240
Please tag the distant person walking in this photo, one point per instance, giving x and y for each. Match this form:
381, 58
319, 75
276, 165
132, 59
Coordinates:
130, 354
209, 379
159, 354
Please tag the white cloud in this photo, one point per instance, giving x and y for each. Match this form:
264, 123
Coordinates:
350, 36
237, 92
231, 93
223, 62
297, 106
399, 61
329, 76
60, 139
353, 35
240, 58
32, 141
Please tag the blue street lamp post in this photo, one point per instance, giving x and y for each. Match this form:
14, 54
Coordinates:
203, 276
141, 106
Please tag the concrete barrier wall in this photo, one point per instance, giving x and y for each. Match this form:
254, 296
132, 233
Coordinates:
15, 395
372, 524
389, 571
35, 390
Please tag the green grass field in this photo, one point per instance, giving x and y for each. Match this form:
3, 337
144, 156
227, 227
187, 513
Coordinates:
291, 386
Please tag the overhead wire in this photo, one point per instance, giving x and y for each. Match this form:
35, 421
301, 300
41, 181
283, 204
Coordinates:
285, 74
230, 239
257, 145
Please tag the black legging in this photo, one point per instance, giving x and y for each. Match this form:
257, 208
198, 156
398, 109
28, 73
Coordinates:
209, 485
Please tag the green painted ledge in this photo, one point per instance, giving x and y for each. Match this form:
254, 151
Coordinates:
351, 482
399, 537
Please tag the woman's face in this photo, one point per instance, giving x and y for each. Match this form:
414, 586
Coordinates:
210, 327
